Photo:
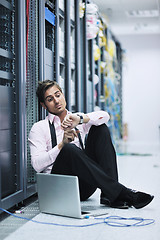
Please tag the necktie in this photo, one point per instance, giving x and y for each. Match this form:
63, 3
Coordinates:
53, 138
53, 134
79, 137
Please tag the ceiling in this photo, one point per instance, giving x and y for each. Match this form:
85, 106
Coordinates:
131, 16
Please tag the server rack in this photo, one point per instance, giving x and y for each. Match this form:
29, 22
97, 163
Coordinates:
69, 53
87, 67
66, 50
30, 102
11, 153
18, 108
46, 39
99, 66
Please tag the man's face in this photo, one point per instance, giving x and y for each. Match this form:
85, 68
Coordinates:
54, 101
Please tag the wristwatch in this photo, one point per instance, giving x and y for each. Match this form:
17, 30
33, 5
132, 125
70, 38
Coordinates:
81, 118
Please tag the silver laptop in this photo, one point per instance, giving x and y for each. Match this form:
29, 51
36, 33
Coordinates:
59, 195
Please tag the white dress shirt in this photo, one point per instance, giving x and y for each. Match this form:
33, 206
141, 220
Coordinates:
42, 153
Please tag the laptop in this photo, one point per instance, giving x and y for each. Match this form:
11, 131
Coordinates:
59, 195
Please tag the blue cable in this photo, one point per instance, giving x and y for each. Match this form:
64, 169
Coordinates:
55, 224
113, 221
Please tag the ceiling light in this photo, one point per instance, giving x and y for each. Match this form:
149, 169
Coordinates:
142, 13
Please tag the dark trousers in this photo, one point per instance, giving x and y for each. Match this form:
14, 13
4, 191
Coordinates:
95, 166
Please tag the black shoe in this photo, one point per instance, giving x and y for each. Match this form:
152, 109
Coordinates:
115, 204
138, 199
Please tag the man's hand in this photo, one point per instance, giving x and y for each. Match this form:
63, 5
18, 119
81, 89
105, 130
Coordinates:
70, 121
69, 136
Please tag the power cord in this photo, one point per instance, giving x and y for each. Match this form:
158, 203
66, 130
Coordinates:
113, 221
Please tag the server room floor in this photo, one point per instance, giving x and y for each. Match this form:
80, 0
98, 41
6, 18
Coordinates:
138, 169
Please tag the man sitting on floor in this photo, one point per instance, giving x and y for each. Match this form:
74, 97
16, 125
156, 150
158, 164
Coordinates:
63, 153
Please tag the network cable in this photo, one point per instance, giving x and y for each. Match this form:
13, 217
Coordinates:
113, 221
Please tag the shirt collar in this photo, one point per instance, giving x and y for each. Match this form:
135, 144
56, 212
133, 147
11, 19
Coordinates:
51, 117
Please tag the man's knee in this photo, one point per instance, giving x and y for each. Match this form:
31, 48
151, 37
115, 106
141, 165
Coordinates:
101, 129
69, 148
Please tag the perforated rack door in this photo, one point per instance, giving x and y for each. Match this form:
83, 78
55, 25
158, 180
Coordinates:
9, 167
31, 76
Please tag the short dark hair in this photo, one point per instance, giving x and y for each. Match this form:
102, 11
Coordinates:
43, 87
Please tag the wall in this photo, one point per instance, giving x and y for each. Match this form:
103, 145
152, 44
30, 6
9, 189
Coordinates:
141, 87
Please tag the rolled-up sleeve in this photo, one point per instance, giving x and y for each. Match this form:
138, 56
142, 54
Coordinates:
96, 118
42, 154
